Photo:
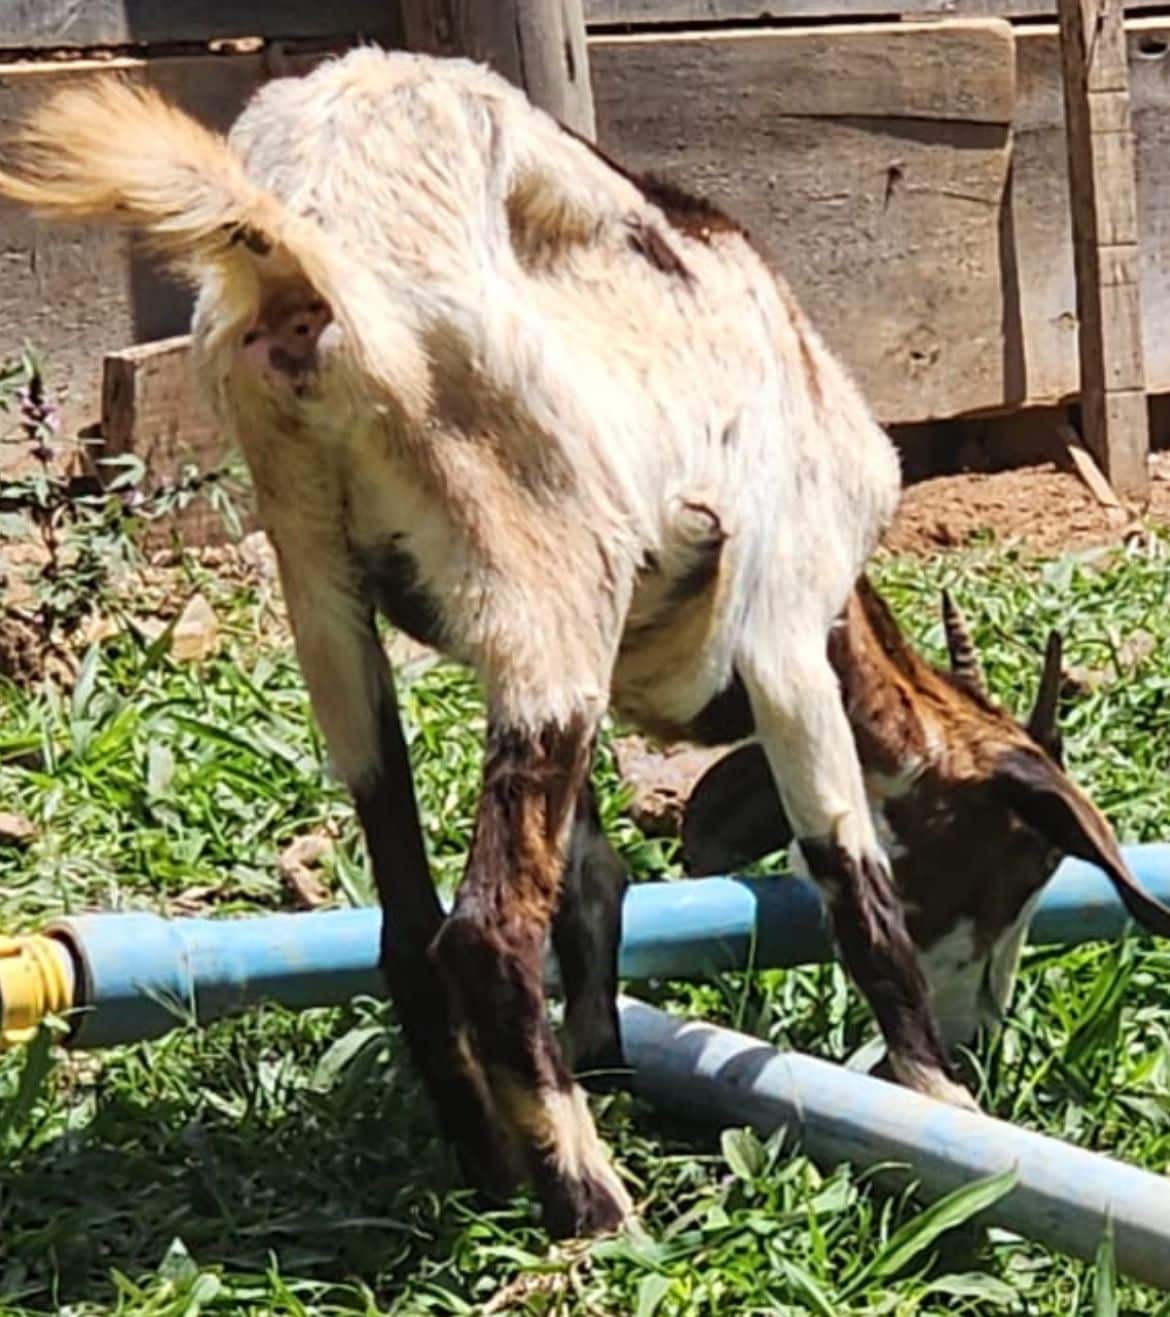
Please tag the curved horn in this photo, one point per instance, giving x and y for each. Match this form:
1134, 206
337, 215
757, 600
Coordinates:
1042, 719
964, 660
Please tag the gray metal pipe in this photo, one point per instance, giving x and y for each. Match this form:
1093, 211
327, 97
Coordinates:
1064, 1196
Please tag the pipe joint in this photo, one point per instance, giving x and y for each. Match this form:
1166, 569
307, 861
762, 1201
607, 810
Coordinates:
36, 981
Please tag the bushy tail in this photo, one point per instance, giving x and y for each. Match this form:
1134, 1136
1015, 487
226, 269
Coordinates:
112, 151
109, 150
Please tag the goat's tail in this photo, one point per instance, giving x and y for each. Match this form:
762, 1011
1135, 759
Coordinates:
109, 150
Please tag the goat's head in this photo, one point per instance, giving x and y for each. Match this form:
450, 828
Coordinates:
975, 808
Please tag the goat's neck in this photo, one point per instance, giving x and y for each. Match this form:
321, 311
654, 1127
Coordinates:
894, 700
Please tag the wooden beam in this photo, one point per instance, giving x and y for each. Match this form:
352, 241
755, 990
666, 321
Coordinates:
152, 409
537, 44
870, 160
648, 13
1103, 193
68, 25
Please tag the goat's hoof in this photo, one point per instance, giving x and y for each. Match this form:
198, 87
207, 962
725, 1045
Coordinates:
586, 1206
491, 1170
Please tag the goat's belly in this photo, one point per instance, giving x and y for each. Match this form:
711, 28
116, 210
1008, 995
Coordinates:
676, 691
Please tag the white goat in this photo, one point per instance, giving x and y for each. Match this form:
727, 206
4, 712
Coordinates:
568, 426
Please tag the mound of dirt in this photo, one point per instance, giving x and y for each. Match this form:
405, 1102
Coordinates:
1041, 508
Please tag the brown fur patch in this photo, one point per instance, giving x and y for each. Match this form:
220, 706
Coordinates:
249, 237
648, 242
692, 215
491, 954
870, 930
412, 916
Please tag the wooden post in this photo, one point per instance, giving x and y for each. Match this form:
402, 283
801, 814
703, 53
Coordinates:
1103, 194
537, 44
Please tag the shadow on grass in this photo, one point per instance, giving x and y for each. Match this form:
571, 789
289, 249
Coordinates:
254, 1139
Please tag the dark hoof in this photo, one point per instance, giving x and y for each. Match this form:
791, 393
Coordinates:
491, 1169
579, 1208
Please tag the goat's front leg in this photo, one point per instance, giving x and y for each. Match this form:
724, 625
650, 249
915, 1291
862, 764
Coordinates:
492, 953
353, 698
586, 936
805, 733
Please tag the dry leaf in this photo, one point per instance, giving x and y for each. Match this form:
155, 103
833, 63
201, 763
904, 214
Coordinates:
16, 830
298, 864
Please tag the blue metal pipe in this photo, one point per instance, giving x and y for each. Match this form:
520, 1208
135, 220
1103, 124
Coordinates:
1064, 1196
138, 975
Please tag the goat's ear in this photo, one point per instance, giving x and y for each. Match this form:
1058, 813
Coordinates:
965, 666
1042, 726
1048, 801
733, 815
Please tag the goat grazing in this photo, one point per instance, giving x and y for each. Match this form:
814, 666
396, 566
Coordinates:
974, 809
567, 426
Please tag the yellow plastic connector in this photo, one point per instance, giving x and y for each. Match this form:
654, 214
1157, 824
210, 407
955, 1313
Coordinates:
36, 980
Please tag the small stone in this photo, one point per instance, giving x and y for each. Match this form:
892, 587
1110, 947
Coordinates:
196, 633
407, 655
1136, 648
16, 830
255, 551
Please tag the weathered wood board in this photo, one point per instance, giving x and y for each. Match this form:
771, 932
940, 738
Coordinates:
1041, 231
1103, 211
713, 11
76, 291
153, 409
871, 161
930, 243
78, 24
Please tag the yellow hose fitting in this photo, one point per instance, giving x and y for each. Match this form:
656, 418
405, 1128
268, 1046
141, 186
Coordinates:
36, 980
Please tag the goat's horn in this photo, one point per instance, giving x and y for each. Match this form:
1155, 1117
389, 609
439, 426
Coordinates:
964, 659
1042, 720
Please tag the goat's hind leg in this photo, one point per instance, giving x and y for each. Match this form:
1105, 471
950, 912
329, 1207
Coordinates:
805, 733
492, 951
353, 697
586, 934
411, 919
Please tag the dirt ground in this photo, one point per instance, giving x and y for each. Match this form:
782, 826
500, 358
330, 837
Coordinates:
1039, 508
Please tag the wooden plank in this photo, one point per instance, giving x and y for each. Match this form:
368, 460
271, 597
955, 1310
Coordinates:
151, 408
537, 44
650, 12
67, 24
1104, 234
1088, 470
884, 213
76, 291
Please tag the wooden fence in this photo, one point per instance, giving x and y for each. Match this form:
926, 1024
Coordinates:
906, 170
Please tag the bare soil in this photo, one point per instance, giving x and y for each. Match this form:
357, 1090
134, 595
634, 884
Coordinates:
1039, 508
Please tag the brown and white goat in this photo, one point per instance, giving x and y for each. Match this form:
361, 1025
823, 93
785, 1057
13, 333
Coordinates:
566, 425
974, 809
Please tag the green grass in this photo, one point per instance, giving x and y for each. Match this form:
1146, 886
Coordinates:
285, 1163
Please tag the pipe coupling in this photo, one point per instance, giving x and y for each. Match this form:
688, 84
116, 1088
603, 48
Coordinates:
36, 980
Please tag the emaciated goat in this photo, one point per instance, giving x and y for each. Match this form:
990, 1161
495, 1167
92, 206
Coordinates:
566, 425
974, 809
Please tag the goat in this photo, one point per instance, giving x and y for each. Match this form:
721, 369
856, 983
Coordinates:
974, 809
566, 425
